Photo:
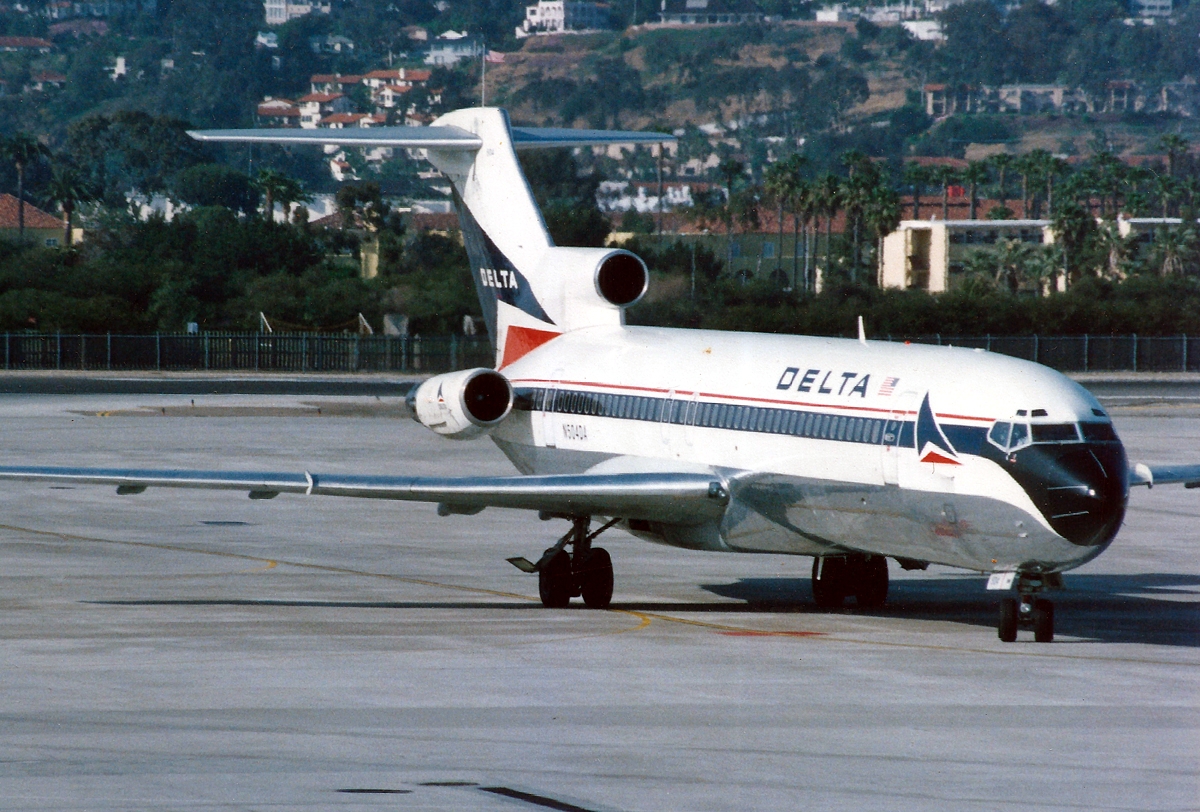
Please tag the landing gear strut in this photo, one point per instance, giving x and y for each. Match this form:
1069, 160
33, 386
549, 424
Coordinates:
586, 571
837, 577
1028, 611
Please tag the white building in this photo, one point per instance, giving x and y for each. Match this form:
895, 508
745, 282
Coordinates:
452, 47
279, 12
1153, 8
924, 30
559, 16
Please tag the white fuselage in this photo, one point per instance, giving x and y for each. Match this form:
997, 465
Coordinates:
817, 438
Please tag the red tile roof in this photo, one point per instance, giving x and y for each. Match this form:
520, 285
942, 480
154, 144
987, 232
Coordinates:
25, 42
34, 217
383, 74
417, 75
274, 111
342, 118
321, 98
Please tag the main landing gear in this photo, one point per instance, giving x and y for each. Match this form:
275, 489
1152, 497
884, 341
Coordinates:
1028, 611
586, 571
837, 577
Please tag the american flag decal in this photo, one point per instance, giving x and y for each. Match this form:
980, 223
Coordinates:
888, 387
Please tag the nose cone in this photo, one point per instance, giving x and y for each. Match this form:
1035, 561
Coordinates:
1081, 488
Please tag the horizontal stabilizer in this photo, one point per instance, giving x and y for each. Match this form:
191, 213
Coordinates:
424, 137
439, 137
674, 498
548, 137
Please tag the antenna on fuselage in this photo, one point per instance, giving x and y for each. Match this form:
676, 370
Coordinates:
862, 331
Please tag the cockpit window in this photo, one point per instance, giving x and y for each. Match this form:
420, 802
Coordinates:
1098, 432
1055, 433
1009, 436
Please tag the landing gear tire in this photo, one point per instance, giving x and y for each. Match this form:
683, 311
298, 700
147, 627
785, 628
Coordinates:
1008, 620
870, 581
1043, 621
595, 578
556, 584
829, 576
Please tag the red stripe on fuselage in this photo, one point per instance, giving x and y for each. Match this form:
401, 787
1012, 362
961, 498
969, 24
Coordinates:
680, 392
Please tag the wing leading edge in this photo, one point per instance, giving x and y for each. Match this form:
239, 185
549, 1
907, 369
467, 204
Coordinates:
1151, 475
675, 498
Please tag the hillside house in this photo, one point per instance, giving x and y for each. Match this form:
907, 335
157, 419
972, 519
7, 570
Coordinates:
563, 16
41, 228
273, 112
333, 82
709, 12
316, 106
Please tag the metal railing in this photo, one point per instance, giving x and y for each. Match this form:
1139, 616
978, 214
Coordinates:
245, 352
416, 354
1087, 353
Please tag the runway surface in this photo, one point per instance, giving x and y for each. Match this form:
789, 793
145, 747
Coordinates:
199, 650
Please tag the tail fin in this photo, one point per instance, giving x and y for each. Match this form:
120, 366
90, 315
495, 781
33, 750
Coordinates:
520, 276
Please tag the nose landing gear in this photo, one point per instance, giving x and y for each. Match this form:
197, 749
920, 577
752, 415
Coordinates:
586, 571
1028, 611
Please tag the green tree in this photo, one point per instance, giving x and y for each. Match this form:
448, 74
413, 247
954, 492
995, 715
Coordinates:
22, 151
946, 176
216, 185
916, 176
975, 173
782, 183
67, 188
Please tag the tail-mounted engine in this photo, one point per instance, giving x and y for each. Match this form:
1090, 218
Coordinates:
597, 284
461, 405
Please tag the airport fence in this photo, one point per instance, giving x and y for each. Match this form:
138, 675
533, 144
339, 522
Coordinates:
245, 352
1087, 353
416, 354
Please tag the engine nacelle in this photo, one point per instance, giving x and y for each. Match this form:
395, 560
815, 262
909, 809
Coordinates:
464, 404
597, 284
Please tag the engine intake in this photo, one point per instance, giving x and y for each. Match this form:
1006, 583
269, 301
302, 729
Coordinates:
462, 404
621, 278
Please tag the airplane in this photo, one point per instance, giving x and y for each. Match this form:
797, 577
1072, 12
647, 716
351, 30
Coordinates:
848, 451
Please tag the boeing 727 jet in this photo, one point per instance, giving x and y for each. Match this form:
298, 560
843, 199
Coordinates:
848, 451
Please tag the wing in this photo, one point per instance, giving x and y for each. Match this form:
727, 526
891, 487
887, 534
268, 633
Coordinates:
674, 498
1151, 475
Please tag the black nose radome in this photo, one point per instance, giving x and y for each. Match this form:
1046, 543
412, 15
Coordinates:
1081, 488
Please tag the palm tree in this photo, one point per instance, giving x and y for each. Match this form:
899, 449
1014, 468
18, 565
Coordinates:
1002, 162
289, 192
270, 182
780, 182
22, 150
729, 170
882, 214
1166, 188
946, 175
67, 188
916, 176
804, 210
827, 201
975, 173
1175, 145
1041, 165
